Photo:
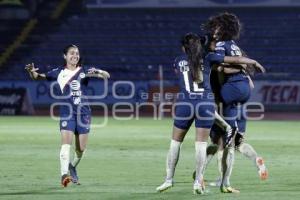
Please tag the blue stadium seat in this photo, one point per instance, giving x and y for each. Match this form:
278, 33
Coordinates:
125, 42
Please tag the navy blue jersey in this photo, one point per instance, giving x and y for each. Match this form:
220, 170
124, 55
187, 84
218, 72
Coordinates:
186, 83
72, 90
230, 48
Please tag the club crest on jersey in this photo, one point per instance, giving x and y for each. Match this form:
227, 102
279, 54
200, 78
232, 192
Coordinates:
64, 123
82, 75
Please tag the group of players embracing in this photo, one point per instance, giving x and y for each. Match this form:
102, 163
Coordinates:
212, 71
214, 77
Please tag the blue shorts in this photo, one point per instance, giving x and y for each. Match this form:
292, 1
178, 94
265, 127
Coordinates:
217, 132
202, 111
234, 93
79, 124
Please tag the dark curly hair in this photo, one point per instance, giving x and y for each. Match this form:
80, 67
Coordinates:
193, 48
228, 25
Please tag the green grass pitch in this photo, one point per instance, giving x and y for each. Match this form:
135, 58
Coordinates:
126, 160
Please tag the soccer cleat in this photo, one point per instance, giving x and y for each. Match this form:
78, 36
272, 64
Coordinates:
166, 185
198, 187
262, 170
229, 189
73, 174
65, 180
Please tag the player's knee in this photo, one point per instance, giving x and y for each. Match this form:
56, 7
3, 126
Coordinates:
212, 149
239, 139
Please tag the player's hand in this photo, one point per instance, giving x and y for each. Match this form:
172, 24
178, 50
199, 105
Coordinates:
92, 70
259, 67
104, 74
101, 73
30, 68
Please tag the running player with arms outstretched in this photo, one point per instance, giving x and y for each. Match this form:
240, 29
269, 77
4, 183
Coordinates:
75, 113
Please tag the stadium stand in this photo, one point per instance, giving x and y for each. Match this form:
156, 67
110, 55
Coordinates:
136, 41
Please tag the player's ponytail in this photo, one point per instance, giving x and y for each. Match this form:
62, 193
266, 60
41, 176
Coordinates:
65, 51
193, 48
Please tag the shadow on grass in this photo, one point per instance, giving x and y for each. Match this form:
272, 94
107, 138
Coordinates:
52, 190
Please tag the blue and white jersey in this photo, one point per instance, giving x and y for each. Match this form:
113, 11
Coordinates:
230, 48
72, 89
186, 83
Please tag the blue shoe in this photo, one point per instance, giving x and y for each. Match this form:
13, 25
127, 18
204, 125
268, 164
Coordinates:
73, 174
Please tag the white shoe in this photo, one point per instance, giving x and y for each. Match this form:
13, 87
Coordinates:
166, 185
262, 170
198, 188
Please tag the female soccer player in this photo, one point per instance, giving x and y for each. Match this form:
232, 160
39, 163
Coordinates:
237, 85
195, 102
75, 113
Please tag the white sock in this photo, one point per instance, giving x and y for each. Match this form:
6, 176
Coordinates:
77, 157
219, 160
172, 159
64, 158
200, 155
227, 165
248, 151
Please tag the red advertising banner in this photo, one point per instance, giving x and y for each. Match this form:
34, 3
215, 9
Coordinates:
276, 93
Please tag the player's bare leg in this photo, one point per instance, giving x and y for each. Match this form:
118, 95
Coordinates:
66, 141
172, 158
211, 150
227, 165
217, 183
80, 146
200, 155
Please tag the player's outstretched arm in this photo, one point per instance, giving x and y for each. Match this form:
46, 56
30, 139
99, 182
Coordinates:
33, 72
244, 60
98, 73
